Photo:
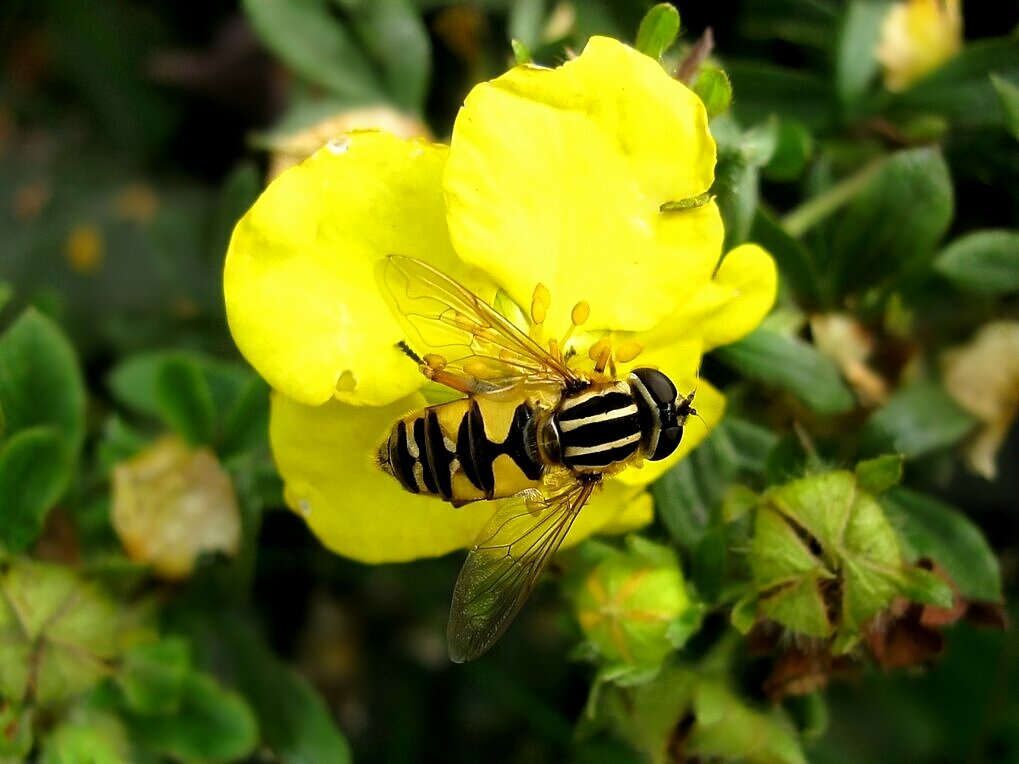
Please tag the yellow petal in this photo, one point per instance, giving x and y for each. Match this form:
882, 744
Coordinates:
638, 512
616, 508
300, 288
557, 176
325, 456
729, 306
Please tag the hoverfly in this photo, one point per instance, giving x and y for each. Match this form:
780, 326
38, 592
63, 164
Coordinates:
532, 432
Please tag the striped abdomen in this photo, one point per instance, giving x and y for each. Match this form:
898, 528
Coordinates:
466, 450
598, 427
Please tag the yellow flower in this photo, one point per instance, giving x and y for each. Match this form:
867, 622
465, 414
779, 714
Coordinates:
918, 36
552, 175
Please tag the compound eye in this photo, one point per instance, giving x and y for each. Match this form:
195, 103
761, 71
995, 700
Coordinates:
658, 385
668, 441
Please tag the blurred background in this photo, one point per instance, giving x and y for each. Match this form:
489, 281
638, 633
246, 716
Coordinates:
133, 135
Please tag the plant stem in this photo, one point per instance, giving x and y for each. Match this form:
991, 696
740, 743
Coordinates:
809, 214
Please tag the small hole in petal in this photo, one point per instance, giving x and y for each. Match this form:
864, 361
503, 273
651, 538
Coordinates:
339, 145
304, 507
346, 383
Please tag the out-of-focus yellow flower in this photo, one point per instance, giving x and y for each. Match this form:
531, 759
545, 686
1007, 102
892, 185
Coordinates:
292, 149
84, 249
555, 176
137, 202
171, 503
983, 377
918, 36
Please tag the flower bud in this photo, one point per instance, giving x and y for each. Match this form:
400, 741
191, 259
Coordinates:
917, 36
631, 605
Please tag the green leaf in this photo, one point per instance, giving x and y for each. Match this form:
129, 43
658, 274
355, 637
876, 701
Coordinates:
6, 293
714, 89
212, 724
891, 227
929, 528
295, 723
741, 154
879, 474
16, 740
762, 90
394, 37
58, 633
744, 614
736, 190
237, 193
855, 63
152, 676
792, 150
34, 472
134, 382
185, 401
40, 381
316, 45
815, 530
709, 564
246, 424
1008, 94
790, 364
795, 262
923, 586
916, 420
984, 262
658, 30
729, 729
688, 497
526, 18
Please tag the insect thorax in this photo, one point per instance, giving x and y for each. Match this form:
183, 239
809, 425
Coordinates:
597, 427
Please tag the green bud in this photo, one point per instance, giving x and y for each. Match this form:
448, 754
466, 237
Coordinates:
633, 606
97, 738
658, 30
521, 53
714, 89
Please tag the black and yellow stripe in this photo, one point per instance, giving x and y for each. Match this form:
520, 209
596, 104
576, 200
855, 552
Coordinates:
466, 450
598, 427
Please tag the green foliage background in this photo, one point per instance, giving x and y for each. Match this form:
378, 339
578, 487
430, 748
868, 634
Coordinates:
133, 135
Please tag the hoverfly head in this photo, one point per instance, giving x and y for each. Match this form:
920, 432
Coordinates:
662, 412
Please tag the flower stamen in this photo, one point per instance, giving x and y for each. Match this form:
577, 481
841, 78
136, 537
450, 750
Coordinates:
539, 309
581, 312
601, 354
628, 351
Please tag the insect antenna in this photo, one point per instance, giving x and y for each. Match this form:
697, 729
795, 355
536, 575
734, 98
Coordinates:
407, 351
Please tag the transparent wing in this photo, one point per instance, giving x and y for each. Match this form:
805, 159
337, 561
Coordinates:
505, 563
476, 342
